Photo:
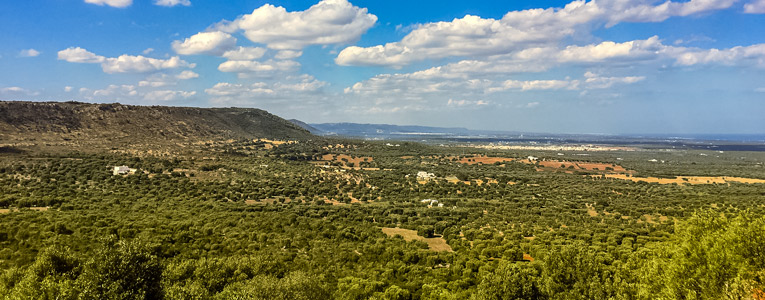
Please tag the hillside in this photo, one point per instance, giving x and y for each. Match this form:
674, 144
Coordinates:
117, 124
305, 126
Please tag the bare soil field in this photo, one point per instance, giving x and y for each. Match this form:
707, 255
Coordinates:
436, 244
687, 179
570, 166
346, 159
12, 209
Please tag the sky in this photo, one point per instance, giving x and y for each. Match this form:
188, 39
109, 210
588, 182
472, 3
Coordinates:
597, 66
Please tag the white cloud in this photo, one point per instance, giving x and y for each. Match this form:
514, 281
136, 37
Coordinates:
168, 95
327, 22
131, 93
245, 53
288, 54
594, 81
122, 64
749, 55
112, 93
140, 64
531, 104
113, 3
531, 85
225, 89
79, 55
306, 83
291, 91
68, 89
158, 80
755, 7
212, 43
466, 103
16, 91
187, 74
161, 80
474, 36
29, 53
147, 51
171, 3
249, 66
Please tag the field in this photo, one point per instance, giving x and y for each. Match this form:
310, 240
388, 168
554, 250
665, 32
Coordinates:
434, 243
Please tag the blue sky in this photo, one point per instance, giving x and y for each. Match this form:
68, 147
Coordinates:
601, 66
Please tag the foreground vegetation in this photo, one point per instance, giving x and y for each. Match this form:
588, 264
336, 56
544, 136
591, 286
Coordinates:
265, 220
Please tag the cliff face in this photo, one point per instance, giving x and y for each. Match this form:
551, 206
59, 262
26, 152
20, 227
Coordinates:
117, 123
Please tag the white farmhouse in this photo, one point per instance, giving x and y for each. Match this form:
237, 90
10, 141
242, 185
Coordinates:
122, 170
425, 175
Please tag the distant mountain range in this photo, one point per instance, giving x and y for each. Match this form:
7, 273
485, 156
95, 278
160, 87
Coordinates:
458, 134
382, 130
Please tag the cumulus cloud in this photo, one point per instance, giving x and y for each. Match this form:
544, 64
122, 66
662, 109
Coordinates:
327, 22
112, 92
474, 36
140, 64
249, 66
531, 85
29, 53
245, 53
167, 95
466, 103
131, 93
79, 55
288, 54
161, 79
755, 7
749, 55
212, 43
112, 3
187, 74
594, 81
305, 83
225, 89
290, 88
158, 80
16, 91
171, 3
122, 64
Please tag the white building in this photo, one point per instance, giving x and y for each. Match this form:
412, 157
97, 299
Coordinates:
122, 170
425, 175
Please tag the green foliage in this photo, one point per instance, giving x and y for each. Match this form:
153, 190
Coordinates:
710, 257
511, 280
235, 220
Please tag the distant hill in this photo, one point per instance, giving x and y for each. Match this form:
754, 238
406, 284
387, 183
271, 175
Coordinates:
129, 124
306, 126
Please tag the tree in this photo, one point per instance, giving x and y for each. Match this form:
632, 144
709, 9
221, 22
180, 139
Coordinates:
511, 280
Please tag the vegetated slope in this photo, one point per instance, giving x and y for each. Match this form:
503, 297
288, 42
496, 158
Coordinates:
305, 126
116, 123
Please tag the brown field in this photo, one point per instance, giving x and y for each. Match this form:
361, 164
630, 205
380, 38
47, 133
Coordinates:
571, 166
548, 165
687, 179
482, 160
350, 159
434, 244
591, 210
8, 210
